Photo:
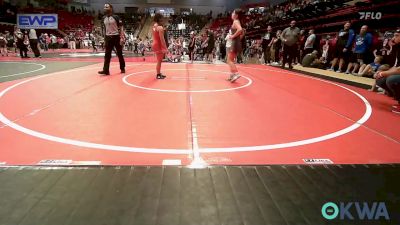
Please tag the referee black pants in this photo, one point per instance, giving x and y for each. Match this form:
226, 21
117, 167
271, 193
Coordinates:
111, 43
34, 46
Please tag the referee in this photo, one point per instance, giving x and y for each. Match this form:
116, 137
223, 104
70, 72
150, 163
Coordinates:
114, 38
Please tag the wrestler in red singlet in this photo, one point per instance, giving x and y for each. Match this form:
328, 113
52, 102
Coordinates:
159, 45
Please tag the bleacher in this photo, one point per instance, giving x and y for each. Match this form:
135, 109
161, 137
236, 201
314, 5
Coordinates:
333, 20
193, 23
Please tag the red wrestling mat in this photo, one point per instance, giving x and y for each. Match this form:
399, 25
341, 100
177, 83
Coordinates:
269, 116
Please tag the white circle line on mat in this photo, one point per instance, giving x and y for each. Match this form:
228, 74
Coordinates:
42, 67
48, 137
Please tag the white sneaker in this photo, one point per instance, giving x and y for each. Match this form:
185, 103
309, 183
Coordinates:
237, 76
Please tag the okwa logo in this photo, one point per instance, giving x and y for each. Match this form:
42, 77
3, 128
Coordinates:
355, 211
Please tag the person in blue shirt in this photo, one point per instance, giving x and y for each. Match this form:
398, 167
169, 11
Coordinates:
345, 39
362, 46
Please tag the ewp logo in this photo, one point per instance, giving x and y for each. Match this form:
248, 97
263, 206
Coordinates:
364, 211
37, 21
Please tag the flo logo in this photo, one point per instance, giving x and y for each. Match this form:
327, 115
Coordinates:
355, 211
370, 15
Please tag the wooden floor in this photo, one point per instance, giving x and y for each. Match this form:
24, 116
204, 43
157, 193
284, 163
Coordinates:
342, 76
276, 195
362, 82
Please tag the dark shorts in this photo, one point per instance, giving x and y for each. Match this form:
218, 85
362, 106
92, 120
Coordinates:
338, 53
358, 58
210, 49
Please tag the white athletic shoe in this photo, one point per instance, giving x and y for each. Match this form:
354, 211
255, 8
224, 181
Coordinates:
237, 76
230, 77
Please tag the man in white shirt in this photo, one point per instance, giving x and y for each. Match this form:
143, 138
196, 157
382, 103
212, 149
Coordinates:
33, 42
309, 45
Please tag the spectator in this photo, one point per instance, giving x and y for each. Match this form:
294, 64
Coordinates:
3, 45
309, 45
72, 41
210, 46
290, 37
267, 44
370, 69
363, 42
384, 67
23, 49
10, 40
276, 48
300, 47
54, 43
344, 42
386, 49
191, 46
390, 80
309, 59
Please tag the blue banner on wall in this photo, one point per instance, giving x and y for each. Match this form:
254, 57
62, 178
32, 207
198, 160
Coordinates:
37, 21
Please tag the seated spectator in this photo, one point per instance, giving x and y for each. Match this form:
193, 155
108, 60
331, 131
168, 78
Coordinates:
309, 59
370, 69
384, 67
390, 80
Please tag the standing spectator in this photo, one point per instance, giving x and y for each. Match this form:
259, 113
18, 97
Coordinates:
136, 43
276, 48
3, 45
300, 47
363, 42
48, 41
130, 42
23, 50
42, 41
244, 47
10, 41
72, 41
267, 44
210, 46
54, 43
192, 43
344, 42
290, 37
60, 42
390, 80
309, 45
93, 40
